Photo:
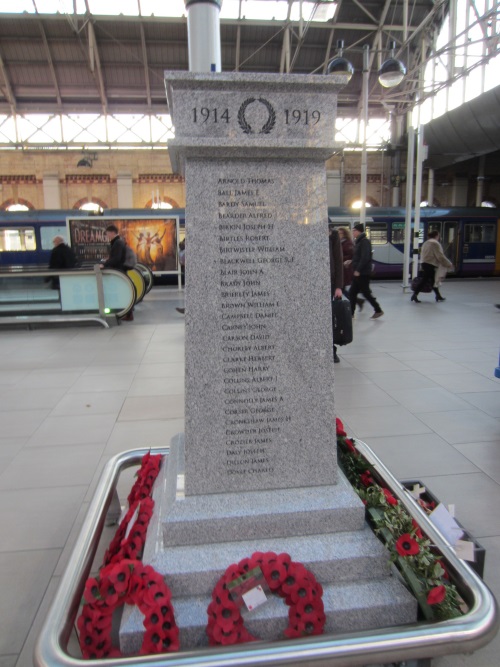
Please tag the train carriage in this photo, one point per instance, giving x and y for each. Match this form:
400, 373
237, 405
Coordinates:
470, 236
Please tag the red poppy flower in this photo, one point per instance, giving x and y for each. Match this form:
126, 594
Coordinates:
94, 643
436, 595
232, 572
92, 592
245, 565
351, 447
310, 610
275, 574
228, 618
340, 427
225, 637
221, 594
366, 478
416, 529
256, 559
389, 497
160, 642
95, 618
407, 546
156, 595
119, 576
306, 628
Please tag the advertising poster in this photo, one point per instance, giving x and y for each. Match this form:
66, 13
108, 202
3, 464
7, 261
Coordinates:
154, 240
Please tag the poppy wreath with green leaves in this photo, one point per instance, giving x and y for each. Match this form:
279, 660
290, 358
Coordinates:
126, 582
289, 579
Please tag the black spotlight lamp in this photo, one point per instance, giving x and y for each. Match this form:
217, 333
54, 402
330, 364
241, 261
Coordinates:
87, 159
392, 71
339, 64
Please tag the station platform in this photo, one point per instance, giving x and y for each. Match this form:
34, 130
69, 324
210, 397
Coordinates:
417, 385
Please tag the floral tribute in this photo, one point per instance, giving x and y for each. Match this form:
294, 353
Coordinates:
146, 475
126, 582
130, 543
289, 579
410, 550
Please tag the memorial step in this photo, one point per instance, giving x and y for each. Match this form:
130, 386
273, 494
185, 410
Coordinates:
347, 556
248, 515
349, 607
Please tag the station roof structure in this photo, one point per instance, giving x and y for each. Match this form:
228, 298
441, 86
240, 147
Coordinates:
90, 62
83, 60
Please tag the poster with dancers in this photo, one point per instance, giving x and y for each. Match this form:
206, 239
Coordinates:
154, 240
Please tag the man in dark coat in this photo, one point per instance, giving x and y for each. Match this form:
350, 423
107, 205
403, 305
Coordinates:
362, 269
61, 257
116, 259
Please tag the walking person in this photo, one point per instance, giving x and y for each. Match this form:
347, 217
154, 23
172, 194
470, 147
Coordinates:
433, 262
347, 254
336, 274
362, 269
116, 259
61, 257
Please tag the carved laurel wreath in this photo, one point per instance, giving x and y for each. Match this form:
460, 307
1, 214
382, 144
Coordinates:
268, 125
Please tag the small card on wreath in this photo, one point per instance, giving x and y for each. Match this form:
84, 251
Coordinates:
249, 590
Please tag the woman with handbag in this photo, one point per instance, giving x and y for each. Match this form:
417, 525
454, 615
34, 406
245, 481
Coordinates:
432, 259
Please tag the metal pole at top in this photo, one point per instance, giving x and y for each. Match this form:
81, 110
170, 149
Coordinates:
203, 24
364, 102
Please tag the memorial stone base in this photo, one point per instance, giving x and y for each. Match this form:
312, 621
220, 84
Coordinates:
192, 540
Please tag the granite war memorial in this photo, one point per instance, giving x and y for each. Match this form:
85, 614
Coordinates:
256, 469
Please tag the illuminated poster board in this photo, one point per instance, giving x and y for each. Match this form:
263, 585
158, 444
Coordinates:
154, 240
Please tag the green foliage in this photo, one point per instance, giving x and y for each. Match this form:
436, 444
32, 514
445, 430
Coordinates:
422, 571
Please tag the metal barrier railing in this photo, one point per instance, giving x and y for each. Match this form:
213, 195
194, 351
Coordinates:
388, 645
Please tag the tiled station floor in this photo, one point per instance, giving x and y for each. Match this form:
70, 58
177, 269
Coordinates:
417, 385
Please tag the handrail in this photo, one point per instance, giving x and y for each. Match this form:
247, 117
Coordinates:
420, 640
82, 294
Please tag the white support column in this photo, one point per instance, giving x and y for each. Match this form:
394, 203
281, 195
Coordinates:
409, 196
51, 191
430, 188
480, 181
418, 188
364, 157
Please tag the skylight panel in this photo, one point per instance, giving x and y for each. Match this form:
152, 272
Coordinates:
113, 7
266, 10
8, 7
230, 9
170, 8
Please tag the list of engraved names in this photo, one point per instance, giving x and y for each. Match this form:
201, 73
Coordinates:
249, 253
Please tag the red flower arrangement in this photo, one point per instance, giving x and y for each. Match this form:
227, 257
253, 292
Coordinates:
126, 582
131, 544
146, 475
409, 548
290, 580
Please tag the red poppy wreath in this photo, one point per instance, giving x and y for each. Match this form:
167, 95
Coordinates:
146, 475
130, 544
127, 582
290, 580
